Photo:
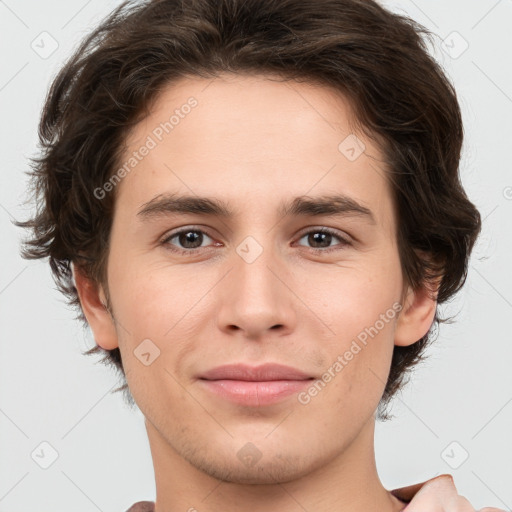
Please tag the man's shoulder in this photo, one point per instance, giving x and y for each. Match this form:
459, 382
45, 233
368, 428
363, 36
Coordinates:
142, 506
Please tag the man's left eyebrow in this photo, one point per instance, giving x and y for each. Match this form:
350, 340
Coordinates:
338, 204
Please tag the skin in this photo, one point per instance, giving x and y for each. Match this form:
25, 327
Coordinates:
255, 143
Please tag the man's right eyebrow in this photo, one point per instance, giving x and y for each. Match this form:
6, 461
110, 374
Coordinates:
165, 204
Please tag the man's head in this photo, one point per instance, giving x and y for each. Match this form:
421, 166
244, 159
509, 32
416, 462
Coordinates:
255, 103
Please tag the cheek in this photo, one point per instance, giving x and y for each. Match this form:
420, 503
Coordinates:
360, 304
150, 298
355, 296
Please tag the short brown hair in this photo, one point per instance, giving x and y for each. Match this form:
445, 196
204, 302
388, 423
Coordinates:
378, 59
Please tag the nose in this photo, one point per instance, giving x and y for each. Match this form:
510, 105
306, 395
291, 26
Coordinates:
257, 294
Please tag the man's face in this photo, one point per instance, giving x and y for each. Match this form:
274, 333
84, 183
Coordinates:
257, 286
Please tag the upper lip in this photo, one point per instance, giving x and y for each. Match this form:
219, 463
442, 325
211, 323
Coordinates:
264, 372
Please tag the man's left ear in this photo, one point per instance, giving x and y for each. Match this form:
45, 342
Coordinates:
417, 314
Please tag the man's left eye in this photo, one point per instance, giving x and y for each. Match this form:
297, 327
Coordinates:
324, 237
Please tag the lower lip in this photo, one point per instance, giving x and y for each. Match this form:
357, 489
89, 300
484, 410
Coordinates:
255, 393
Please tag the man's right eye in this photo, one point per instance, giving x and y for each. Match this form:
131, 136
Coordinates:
190, 239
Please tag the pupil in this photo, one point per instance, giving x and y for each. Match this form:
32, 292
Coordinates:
190, 237
321, 237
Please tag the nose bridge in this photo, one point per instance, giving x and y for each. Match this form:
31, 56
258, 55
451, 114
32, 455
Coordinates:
256, 285
256, 298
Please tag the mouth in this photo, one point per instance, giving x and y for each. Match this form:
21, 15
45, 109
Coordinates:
254, 386
264, 372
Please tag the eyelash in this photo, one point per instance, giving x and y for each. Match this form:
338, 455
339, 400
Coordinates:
190, 252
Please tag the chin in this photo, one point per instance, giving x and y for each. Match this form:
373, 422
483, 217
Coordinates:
260, 474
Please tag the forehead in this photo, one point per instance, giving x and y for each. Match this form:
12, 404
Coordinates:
256, 104
252, 139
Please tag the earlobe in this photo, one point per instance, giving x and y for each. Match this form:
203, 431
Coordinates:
93, 301
416, 317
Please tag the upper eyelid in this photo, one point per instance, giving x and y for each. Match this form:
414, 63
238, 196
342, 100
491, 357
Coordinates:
178, 231
325, 229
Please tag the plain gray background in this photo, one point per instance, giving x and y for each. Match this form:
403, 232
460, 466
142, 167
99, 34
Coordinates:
458, 403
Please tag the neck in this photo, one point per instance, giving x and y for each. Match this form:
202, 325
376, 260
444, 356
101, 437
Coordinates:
347, 482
